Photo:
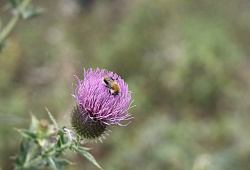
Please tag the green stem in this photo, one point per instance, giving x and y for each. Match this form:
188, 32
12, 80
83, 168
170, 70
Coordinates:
7, 30
24, 4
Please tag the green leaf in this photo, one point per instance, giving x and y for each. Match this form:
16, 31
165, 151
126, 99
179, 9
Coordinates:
24, 147
83, 149
48, 150
31, 12
35, 163
12, 4
27, 134
61, 161
53, 165
52, 119
33, 151
34, 123
62, 148
89, 157
57, 163
61, 140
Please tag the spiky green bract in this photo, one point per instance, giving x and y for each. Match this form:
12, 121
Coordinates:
85, 126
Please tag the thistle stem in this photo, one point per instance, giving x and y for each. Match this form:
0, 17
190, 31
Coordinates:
7, 30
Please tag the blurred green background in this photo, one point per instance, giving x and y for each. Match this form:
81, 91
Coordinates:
186, 62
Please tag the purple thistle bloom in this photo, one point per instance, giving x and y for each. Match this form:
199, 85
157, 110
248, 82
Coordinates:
96, 108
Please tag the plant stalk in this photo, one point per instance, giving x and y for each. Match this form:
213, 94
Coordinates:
7, 30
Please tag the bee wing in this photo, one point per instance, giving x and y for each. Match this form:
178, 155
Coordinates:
112, 79
105, 75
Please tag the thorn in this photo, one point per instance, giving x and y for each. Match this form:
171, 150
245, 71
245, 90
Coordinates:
47, 109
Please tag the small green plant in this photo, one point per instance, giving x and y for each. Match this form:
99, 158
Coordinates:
43, 144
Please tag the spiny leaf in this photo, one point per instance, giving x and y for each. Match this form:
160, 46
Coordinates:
52, 119
90, 158
83, 149
61, 161
52, 164
24, 147
34, 123
27, 134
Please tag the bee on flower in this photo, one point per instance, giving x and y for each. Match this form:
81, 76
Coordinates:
102, 99
110, 83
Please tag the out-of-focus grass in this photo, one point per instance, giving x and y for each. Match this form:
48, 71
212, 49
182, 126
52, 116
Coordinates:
186, 63
162, 142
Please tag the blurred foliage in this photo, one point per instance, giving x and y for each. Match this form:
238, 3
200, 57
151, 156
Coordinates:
20, 9
43, 144
186, 63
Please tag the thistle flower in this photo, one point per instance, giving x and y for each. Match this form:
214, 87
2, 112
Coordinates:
96, 107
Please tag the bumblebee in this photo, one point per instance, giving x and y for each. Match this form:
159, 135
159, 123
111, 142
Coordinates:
110, 83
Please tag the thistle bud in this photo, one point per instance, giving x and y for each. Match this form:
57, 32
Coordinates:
85, 126
43, 125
